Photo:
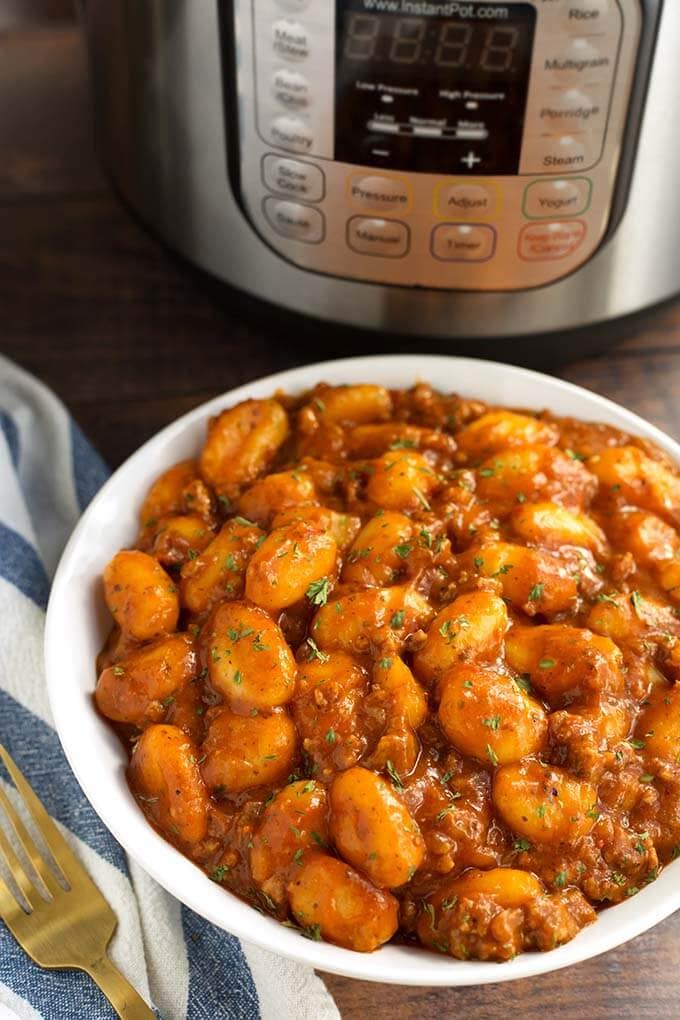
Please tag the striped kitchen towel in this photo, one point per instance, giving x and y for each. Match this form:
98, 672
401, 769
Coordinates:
185, 966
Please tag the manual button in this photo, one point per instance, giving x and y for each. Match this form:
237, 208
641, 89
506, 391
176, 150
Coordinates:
290, 219
293, 177
384, 194
386, 238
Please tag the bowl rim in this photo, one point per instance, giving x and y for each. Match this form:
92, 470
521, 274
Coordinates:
407, 965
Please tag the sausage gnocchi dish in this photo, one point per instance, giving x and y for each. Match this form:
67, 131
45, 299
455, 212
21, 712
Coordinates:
398, 664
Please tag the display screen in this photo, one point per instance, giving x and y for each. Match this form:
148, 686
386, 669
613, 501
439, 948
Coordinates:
432, 85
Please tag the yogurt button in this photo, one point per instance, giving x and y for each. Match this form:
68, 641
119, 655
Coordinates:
295, 221
548, 199
290, 40
291, 133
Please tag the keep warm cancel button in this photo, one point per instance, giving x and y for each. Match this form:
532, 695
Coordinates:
545, 241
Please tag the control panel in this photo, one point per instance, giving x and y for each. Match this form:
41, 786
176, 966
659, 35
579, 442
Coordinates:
458, 145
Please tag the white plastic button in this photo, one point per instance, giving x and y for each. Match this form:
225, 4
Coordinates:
298, 222
557, 154
548, 199
291, 177
385, 194
571, 108
578, 60
290, 40
463, 242
292, 133
291, 89
293, 5
386, 238
543, 242
468, 200
582, 14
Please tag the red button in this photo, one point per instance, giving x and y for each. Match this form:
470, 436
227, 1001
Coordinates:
540, 242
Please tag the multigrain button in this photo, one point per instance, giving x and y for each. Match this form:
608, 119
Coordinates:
292, 177
545, 200
298, 222
291, 133
544, 242
289, 40
384, 194
386, 238
463, 242
579, 60
291, 89
468, 200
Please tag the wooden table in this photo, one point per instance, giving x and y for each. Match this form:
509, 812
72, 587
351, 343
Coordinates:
130, 338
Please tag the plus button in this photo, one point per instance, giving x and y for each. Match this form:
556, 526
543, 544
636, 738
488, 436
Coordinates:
471, 159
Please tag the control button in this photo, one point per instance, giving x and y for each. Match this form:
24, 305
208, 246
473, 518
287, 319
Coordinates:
463, 242
291, 177
557, 153
579, 59
471, 159
289, 39
591, 13
540, 242
386, 194
291, 89
571, 108
291, 133
547, 199
293, 5
473, 200
298, 222
387, 238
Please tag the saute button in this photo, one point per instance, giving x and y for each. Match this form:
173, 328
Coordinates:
291, 89
540, 242
292, 177
465, 200
387, 238
298, 222
289, 39
291, 133
386, 194
544, 200
463, 242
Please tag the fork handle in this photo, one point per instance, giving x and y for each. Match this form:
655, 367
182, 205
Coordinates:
128, 1003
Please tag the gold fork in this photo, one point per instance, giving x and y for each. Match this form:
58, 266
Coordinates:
60, 926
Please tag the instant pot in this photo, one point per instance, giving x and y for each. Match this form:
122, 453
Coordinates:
451, 169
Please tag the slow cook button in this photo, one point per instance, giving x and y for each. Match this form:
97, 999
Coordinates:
387, 238
291, 89
289, 39
463, 242
544, 200
298, 222
291, 133
292, 177
384, 194
472, 200
541, 242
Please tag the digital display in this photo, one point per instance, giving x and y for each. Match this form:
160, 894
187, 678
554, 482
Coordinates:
436, 87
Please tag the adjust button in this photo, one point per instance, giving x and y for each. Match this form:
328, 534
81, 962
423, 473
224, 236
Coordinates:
292, 177
298, 222
473, 200
463, 242
291, 133
543, 242
544, 200
291, 89
386, 238
289, 39
384, 194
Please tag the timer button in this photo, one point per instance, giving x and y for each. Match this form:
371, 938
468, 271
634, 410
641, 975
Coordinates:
387, 238
291, 89
463, 242
289, 39
545, 200
291, 177
468, 200
384, 194
298, 222
544, 242
291, 133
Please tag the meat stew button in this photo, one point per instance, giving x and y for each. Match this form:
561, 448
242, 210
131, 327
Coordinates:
386, 238
463, 242
542, 242
293, 220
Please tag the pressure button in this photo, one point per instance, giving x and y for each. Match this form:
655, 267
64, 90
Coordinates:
382, 194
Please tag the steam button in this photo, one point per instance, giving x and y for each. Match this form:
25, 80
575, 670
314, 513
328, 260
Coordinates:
290, 40
556, 154
293, 220
291, 133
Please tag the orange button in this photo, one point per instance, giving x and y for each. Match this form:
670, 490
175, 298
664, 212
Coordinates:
540, 242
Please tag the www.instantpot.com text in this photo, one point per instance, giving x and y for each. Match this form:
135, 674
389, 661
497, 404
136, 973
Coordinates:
445, 9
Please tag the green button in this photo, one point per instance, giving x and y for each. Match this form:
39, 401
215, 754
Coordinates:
554, 198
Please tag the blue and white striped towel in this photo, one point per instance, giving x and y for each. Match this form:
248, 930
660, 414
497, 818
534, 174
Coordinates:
185, 966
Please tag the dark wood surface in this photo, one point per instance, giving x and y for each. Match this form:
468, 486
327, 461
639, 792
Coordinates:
130, 338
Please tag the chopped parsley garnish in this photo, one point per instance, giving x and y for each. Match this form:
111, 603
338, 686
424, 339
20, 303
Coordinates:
637, 744
331, 736
547, 663
521, 844
384, 663
636, 601
244, 521
394, 775
478, 562
318, 591
313, 652
561, 879
397, 621
238, 678
403, 551
487, 472
493, 722
524, 683
491, 755
403, 444
118, 671
646, 777
218, 873
536, 593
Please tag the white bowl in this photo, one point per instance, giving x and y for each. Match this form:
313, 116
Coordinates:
77, 623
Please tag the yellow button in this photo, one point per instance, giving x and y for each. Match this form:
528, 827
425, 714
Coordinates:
471, 201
